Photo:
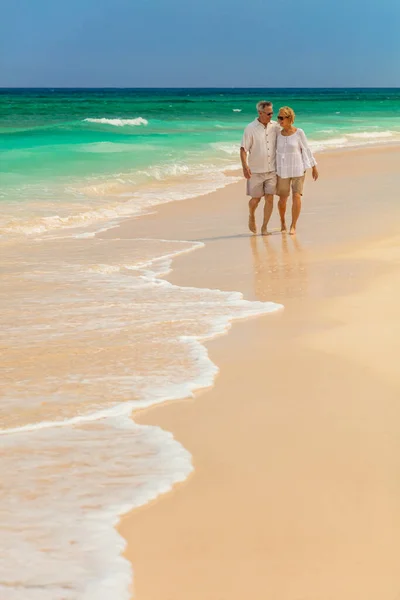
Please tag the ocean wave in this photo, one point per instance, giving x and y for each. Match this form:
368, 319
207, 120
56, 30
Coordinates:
119, 122
115, 186
108, 147
354, 140
372, 134
237, 109
127, 195
130, 267
328, 143
232, 149
138, 192
161, 172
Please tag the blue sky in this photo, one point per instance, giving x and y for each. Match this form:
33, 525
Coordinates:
204, 43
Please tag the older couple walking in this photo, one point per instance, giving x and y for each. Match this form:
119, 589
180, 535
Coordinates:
275, 157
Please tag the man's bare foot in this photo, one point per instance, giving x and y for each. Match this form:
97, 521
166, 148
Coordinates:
283, 227
252, 223
292, 230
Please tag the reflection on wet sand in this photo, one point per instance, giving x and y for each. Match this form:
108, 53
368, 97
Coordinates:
279, 267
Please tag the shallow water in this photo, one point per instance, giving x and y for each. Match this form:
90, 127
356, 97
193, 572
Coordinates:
75, 157
90, 332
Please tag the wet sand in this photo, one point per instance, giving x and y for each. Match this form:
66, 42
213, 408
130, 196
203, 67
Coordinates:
296, 448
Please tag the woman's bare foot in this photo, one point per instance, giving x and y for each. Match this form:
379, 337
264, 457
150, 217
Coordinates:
264, 230
292, 230
252, 223
283, 227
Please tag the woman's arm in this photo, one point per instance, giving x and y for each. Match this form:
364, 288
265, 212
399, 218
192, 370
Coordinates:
308, 157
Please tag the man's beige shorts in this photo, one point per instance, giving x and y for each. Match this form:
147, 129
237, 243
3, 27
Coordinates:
261, 184
284, 184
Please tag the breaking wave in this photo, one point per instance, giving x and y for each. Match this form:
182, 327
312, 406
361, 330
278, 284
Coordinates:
119, 122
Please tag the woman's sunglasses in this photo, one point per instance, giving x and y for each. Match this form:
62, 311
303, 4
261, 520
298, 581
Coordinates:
281, 118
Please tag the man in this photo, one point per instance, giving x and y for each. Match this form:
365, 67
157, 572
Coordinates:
259, 143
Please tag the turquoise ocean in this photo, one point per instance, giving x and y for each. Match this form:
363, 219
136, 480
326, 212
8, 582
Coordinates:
71, 157
90, 328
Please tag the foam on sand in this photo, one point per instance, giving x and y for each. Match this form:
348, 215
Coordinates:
122, 195
101, 335
67, 488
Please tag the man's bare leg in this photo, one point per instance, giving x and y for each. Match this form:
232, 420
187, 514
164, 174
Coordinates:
296, 208
253, 203
268, 206
282, 211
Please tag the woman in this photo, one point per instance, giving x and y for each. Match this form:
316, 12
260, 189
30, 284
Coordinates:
293, 157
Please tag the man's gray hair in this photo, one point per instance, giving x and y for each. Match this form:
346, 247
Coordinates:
263, 104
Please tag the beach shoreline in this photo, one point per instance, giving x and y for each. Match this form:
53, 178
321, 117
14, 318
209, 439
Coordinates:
207, 539
78, 281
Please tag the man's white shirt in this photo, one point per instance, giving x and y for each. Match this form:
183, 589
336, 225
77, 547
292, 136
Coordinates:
260, 142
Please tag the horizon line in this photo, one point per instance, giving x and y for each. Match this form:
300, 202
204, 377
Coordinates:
198, 88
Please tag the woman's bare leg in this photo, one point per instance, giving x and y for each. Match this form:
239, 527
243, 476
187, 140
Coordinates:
282, 211
296, 208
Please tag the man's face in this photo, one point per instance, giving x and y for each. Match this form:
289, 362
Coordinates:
265, 114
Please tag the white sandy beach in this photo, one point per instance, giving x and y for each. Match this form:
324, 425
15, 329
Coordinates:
295, 492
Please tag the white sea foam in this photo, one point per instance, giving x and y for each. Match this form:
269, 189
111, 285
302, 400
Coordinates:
119, 122
232, 149
107, 147
338, 142
372, 134
354, 139
92, 234
60, 318
162, 172
237, 109
73, 459
138, 192
129, 195
66, 490
199, 186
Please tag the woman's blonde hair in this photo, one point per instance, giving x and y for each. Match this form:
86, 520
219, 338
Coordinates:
286, 111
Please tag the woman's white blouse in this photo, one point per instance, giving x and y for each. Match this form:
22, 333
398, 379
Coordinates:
293, 155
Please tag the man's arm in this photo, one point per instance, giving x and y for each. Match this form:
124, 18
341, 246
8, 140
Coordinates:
243, 160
